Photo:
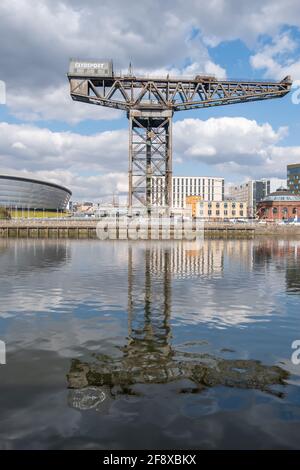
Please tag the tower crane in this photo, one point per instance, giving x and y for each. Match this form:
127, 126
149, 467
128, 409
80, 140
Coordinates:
150, 103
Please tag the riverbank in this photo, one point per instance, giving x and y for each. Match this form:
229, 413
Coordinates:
103, 229
50, 228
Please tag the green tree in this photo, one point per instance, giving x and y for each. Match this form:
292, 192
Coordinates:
4, 213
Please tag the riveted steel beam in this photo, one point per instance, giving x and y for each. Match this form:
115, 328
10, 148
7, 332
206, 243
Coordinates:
150, 104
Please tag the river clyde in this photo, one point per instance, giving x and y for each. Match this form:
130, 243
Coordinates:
117, 344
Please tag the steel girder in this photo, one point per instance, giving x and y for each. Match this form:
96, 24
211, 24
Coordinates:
150, 104
150, 155
128, 93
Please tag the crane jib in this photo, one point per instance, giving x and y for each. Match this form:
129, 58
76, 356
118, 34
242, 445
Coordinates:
150, 103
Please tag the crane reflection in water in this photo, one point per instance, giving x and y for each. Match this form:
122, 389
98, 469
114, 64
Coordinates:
148, 357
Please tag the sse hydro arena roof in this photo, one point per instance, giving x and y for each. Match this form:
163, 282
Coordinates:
32, 194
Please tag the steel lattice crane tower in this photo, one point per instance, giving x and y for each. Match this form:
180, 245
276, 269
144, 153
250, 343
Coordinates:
150, 104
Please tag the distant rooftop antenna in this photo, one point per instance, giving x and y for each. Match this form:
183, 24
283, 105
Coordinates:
115, 199
130, 69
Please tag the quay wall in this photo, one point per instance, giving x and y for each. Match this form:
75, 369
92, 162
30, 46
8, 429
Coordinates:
87, 229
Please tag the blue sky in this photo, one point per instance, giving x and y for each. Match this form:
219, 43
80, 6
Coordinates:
44, 134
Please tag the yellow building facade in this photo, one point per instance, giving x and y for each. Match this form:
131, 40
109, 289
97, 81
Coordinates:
215, 210
191, 203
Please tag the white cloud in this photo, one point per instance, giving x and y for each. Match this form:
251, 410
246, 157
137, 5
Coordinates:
95, 188
31, 147
225, 20
94, 166
278, 58
225, 139
55, 104
38, 38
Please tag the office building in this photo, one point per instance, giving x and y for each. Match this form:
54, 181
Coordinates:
208, 188
254, 191
293, 178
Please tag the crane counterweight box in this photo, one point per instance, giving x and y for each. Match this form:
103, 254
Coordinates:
91, 68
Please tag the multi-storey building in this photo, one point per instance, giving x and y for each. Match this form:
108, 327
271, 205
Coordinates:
209, 188
214, 210
293, 178
254, 191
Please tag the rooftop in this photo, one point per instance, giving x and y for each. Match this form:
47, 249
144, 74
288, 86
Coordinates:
282, 194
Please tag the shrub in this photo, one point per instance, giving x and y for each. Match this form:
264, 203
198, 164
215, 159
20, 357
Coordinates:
4, 213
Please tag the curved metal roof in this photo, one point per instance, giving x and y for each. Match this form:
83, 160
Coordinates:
282, 195
31, 180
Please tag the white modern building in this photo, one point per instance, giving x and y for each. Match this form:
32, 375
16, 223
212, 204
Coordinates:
253, 191
209, 188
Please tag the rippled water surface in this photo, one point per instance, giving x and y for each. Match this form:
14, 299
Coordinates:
120, 345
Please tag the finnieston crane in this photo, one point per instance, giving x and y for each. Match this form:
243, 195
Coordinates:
150, 103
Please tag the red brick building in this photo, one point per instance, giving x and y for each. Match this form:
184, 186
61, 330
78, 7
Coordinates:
281, 205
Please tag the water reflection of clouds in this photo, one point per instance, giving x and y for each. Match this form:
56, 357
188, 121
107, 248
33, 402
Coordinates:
222, 282
59, 277
76, 305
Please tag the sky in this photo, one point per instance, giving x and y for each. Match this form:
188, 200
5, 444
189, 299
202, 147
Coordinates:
44, 134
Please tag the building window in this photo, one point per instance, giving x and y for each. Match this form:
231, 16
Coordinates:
233, 212
217, 212
209, 212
